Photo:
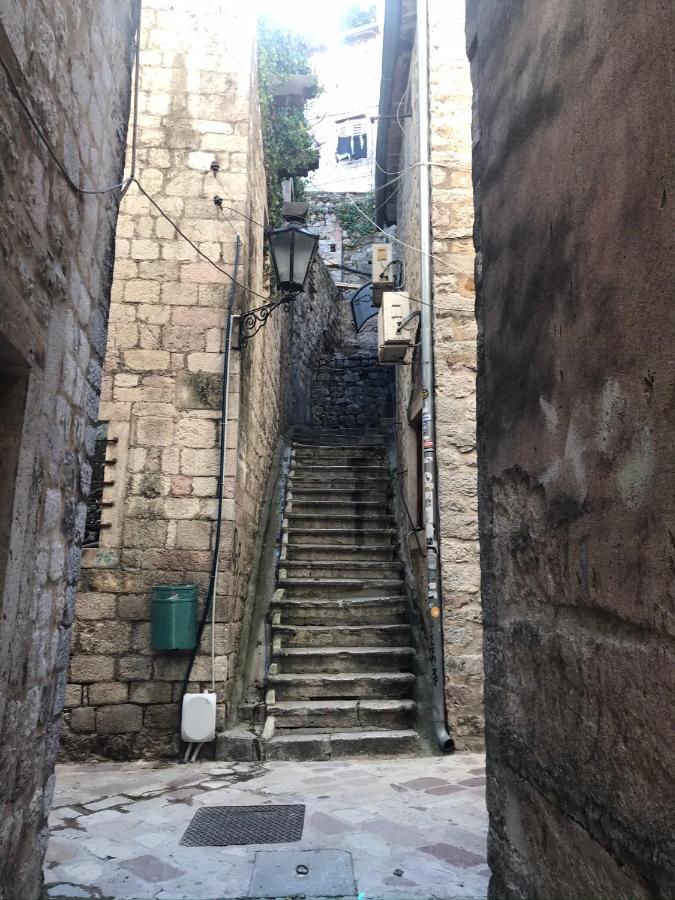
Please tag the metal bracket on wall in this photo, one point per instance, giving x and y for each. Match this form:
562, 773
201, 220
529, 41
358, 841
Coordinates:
250, 323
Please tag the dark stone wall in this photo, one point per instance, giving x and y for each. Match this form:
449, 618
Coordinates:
71, 64
350, 389
573, 141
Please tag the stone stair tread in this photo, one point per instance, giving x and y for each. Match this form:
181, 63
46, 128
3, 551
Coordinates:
339, 677
286, 706
344, 629
336, 531
376, 564
326, 745
299, 652
351, 548
335, 602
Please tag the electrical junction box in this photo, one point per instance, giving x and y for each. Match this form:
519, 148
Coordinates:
394, 346
198, 718
382, 271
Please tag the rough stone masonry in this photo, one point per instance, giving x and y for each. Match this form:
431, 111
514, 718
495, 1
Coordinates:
574, 129
71, 63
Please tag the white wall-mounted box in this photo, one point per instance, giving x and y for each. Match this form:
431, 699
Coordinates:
394, 345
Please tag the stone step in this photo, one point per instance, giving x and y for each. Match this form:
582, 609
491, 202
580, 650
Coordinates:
334, 490
346, 536
333, 458
348, 552
347, 685
309, 520
343, 568
336, 660
339, 610
322, 588
329, 495
357, 509
337, 451
327, 715
333, 635
342, 744
336, 471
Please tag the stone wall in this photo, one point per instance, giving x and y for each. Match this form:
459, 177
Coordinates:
71, 64
162, 385
454, 350
313, 319
349, 387
573, 165
337, 242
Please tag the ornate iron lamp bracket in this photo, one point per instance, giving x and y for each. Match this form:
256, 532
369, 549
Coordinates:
250, 323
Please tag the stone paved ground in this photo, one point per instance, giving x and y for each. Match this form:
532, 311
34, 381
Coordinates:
415, 827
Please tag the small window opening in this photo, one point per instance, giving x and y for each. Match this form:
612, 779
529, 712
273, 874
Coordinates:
92, 530
352, 142
13, 388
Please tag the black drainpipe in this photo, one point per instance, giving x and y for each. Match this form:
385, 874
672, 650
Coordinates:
221, 472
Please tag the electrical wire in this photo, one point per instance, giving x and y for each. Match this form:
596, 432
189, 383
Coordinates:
391, 236
195, 247
40, 133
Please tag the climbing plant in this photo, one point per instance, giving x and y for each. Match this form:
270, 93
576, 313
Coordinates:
289, 146
351, 216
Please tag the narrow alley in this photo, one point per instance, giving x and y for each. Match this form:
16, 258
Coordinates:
336, 474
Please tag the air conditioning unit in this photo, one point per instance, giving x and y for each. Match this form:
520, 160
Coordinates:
394, 346
382, 271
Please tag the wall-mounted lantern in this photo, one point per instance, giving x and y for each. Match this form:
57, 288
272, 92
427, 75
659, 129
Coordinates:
292, 250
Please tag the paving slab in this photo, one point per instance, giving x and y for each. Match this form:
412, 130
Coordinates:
414, 828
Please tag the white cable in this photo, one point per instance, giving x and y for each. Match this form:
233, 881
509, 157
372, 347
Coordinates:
196, 753
187, 752
391, 237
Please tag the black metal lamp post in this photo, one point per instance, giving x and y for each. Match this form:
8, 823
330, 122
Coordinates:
292, 250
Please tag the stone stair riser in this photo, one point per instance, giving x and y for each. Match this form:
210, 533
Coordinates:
323, 589
374, 635
333, 536
310, 615
338, 662
344, 553
318, 688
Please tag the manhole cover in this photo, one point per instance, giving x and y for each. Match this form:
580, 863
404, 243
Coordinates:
224, 826
302, 873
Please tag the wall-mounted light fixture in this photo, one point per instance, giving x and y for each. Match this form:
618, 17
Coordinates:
292, 250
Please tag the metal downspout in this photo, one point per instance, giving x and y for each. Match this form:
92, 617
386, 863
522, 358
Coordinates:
431, 518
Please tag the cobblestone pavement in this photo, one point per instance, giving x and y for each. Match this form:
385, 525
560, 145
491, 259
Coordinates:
415, 827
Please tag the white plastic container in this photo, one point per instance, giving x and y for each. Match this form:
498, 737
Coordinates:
198, 718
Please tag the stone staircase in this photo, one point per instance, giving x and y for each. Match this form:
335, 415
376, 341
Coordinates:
340, 681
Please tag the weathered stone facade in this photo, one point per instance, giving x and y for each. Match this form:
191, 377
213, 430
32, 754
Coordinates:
71, 64
349, 388
454, 332
338, 243
162, 386
573, 173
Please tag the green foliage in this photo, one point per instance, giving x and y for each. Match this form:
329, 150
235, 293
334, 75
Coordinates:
289, 146
356, 16
351, 219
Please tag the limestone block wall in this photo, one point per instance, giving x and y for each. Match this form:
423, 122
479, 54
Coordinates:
313, 321
574, 130
162, 384
349, 388
337, 242
71, 64
454, 355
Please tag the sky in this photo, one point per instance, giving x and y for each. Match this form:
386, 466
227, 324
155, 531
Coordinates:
316, 20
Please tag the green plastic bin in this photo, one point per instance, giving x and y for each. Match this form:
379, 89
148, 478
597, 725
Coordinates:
174, 616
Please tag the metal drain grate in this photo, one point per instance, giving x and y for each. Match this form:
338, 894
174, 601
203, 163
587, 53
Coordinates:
226, 826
